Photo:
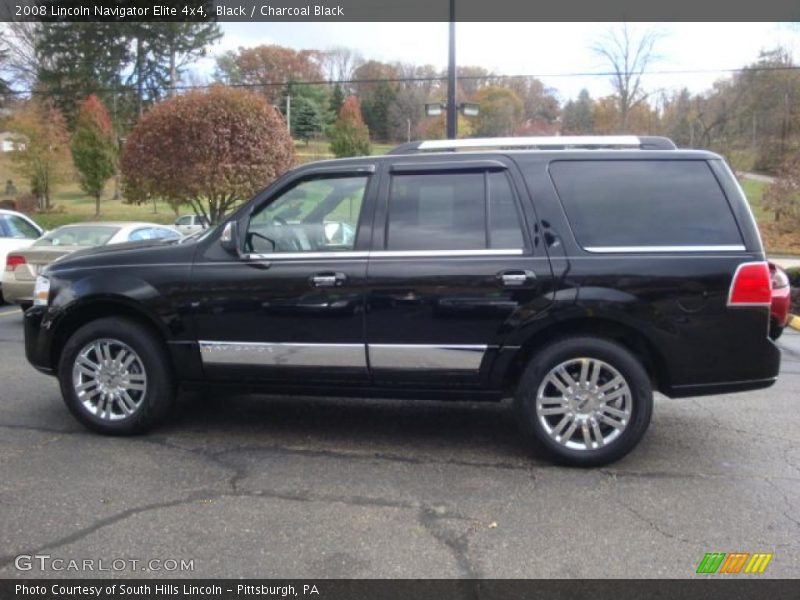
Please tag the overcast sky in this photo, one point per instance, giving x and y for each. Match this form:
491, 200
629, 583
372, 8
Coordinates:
527, 48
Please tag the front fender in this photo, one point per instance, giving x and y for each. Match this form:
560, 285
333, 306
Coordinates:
96, 292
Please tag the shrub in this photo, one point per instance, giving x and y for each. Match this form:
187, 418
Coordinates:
210, 149
26, 203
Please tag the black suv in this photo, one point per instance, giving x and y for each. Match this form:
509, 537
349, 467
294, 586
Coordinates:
577, 275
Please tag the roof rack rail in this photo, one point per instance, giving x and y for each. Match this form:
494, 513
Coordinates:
646, 142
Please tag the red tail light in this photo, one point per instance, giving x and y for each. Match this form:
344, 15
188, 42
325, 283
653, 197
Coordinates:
751, 285
13, 261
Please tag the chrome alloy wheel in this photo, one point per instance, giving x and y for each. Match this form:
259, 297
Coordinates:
109, 379
584, 404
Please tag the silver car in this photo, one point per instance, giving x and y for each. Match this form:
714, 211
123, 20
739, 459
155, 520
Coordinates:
189, 224
23, 265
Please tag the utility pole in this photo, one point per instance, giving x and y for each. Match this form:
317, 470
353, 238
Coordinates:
452, 110
289, 114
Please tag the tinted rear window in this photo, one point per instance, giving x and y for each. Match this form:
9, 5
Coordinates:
453, 211
644, 203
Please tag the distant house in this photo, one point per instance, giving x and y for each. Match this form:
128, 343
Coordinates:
5, 142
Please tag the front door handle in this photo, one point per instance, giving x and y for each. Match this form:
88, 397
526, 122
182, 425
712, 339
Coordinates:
328, 279
516, 278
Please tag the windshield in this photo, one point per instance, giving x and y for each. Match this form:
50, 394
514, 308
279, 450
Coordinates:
78, 235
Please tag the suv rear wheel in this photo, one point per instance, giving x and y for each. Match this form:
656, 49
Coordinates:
586, 401
115, 377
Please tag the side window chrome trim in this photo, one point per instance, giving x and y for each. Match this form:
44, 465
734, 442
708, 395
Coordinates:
445, 253
386, 254
639, 249
307, 255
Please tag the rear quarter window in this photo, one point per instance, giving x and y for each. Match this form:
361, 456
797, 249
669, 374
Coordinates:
641, 203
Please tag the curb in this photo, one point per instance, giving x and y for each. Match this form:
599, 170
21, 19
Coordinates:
794, 322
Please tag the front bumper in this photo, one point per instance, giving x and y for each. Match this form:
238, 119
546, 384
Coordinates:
38, 340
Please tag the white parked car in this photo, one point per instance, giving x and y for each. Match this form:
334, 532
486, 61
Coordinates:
16, 231
189, 224
23, 265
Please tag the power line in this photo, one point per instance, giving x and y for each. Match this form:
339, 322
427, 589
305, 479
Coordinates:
430, 79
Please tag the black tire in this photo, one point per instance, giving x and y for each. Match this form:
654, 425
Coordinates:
25, 305
582, 347
160, 389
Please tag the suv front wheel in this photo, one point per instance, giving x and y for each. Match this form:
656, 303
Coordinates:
586, 401
115, 377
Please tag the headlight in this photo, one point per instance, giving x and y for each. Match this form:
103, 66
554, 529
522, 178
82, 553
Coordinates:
41, 291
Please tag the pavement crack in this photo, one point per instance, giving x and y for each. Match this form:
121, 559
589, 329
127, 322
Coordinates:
382, 456
433, 520
100, 524
652, 525
207, 495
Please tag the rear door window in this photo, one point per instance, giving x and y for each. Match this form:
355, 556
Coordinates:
453, 211
644, 203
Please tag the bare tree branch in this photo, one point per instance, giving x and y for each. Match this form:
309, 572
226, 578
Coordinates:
629, 57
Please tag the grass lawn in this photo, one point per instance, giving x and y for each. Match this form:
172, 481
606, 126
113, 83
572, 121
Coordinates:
776, 239
71, 204
319, 150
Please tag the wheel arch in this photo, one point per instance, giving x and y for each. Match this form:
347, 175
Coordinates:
91, 309
628, 336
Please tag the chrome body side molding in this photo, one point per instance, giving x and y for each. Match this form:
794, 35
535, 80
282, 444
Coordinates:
381, 356
429, 357
283, 355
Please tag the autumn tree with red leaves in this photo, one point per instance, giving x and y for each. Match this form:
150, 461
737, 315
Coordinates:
269, 65
94, 148
211, 149
350, 135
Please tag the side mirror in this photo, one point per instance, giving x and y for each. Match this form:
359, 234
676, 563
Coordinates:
229, 240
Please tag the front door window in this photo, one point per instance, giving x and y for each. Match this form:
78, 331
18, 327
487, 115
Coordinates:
316, 215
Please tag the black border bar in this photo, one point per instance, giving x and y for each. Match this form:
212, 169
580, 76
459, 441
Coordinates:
704, 587
397, 10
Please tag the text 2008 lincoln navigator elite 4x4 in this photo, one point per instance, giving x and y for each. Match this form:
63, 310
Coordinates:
577, 275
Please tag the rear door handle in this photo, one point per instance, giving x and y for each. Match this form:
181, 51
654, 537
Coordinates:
328, 279
516, 278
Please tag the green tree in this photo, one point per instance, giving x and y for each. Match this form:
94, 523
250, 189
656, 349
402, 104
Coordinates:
337, 99
94, 148
161, 52
577, 116
84, 59
316, 95
375, 109
306, 119
349, 135
41, 148
211, 149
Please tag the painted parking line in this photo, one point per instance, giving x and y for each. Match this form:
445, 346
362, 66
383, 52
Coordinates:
13, 311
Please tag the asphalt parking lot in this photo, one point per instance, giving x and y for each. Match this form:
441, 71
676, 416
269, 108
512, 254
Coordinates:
250, 486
